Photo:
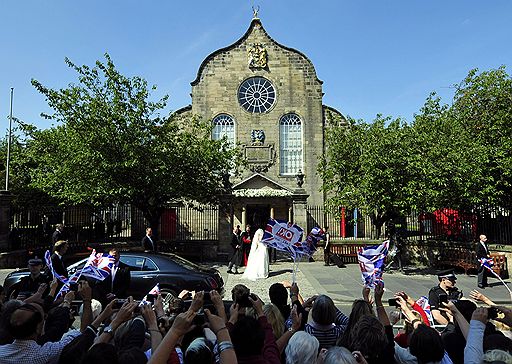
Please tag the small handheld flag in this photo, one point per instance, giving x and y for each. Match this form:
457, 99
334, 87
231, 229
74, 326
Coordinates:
371, 262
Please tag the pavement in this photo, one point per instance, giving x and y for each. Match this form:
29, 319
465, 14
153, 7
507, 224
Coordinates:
344, 285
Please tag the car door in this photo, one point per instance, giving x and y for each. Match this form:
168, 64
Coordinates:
144, 274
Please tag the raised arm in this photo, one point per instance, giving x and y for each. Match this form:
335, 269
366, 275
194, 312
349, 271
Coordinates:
381, 311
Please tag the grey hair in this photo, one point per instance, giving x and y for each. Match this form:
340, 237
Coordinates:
339, 355
302, 348
491, 356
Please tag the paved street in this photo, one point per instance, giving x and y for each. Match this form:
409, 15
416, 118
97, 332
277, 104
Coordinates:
343, 285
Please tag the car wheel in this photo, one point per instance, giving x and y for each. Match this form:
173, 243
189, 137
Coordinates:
167, 296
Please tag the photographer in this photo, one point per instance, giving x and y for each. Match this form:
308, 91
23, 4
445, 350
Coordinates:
184, 322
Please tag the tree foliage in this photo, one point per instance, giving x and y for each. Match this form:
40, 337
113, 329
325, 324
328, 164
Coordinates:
457, 155
111, 145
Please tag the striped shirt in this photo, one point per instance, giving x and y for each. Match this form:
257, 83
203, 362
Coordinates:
327, 335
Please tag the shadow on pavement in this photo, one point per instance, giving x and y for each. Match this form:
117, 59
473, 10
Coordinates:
279, 272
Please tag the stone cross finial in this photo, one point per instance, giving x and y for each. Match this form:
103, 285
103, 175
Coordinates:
255, 12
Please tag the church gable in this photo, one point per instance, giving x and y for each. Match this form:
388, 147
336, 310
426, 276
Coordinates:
255, 40
259, 185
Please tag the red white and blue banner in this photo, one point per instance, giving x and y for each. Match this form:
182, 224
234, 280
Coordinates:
425, 305
155, 291
98, 266
371, 262
284, 236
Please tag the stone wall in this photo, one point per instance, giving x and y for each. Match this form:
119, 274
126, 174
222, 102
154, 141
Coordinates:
298, 91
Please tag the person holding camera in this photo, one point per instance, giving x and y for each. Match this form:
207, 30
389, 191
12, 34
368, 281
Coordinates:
442, 293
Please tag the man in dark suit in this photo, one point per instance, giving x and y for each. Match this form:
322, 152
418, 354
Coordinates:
116, 284
60, 248
147, 241
58, 234
482, 251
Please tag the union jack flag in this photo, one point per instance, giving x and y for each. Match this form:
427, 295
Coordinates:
488, 263
308, 246
282, 235
66, 287
155, 291
371, 262
98, 266
425, 305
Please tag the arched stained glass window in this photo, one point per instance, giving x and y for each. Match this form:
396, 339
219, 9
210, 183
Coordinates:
224, 125
290, 149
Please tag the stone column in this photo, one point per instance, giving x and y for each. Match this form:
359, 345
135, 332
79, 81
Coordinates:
290, 213
299, 208
5, 219
244, 217
272, 212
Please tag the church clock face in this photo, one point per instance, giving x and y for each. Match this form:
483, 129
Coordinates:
257, 95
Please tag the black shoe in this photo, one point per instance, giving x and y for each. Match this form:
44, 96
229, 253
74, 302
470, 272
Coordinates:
481, 286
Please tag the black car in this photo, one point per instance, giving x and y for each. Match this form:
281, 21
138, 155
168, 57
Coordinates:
172, 272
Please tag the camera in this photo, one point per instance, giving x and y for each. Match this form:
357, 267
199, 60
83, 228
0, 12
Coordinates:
492, 313
443, 298
393, 302
150, 298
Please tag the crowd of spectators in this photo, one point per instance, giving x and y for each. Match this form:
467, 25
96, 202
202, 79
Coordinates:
202, 328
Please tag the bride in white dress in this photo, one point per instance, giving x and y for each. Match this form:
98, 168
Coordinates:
257, 264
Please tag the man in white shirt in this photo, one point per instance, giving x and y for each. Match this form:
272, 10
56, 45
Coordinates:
26, 325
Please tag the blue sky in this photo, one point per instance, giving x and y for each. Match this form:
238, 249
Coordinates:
373, 56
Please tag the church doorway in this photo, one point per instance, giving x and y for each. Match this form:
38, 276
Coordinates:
258, 212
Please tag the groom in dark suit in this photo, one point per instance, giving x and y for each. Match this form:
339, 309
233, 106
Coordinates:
482, 251
116, 284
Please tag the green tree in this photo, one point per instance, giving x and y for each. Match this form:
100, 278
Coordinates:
366, 167
482, 106
111, 145
465, 147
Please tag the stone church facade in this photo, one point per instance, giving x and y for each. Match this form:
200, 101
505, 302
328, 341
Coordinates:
267, 99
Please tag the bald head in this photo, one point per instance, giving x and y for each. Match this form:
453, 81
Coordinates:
483, 238
26, 322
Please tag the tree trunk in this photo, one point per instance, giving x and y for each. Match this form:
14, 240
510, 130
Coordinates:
152, 216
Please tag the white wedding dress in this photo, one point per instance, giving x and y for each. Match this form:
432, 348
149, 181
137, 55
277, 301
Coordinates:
257, 264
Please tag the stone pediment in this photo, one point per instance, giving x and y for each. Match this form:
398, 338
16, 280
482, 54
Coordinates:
259, 185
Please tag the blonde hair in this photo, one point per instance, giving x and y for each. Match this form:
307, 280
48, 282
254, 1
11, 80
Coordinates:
497, 355
408, 326
275, 319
